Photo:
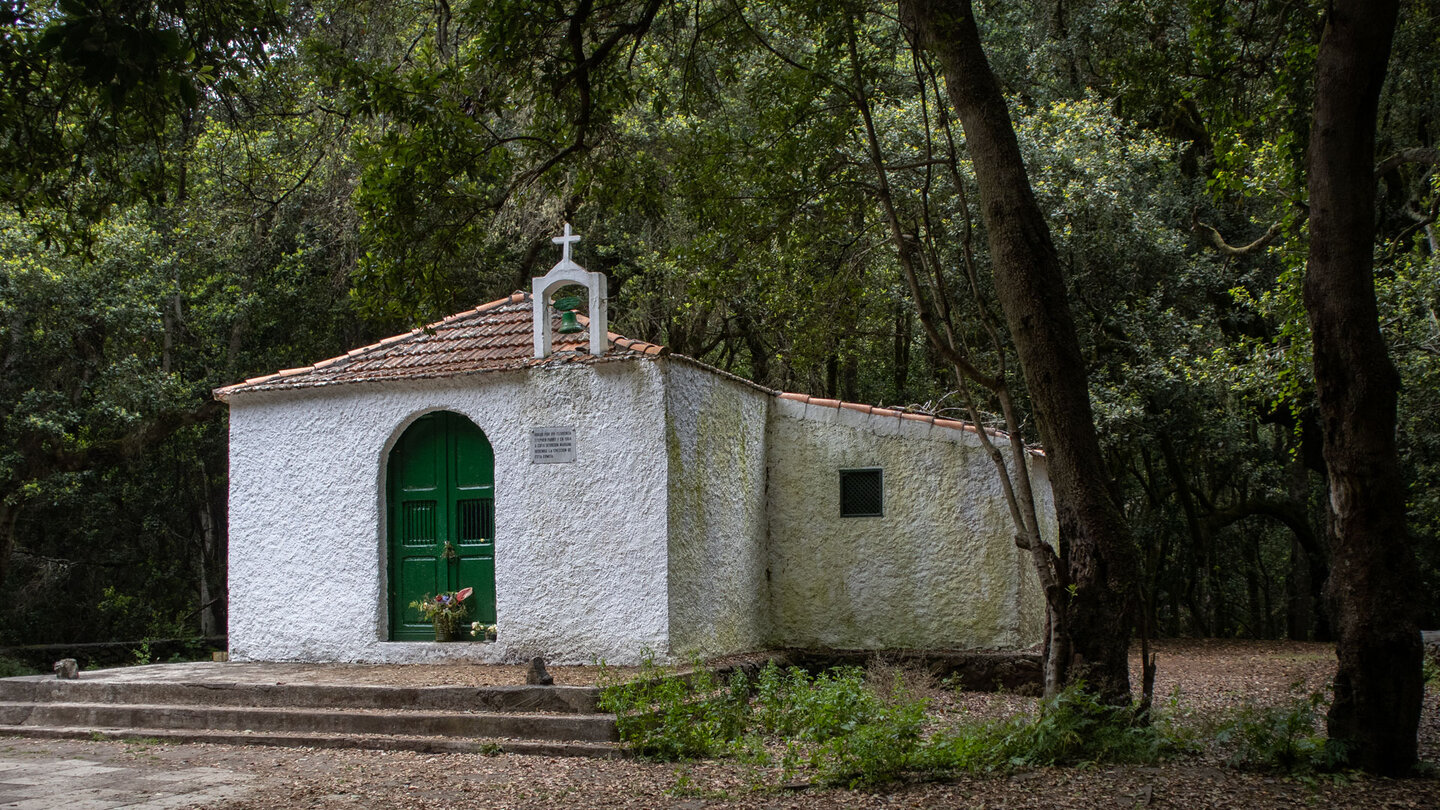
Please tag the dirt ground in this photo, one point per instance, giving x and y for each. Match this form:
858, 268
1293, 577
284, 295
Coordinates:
1205, 676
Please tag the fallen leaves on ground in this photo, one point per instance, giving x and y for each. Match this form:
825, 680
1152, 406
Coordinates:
1206, 677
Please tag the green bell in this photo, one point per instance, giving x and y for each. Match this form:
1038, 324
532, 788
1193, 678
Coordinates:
567, 306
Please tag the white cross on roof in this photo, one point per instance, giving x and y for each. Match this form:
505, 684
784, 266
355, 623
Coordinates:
565, 242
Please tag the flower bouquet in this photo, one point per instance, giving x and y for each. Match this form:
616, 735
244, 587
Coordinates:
444, 610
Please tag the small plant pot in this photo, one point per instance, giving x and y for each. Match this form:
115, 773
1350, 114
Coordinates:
444, 631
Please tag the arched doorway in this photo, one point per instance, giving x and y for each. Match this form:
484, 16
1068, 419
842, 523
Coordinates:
440, 504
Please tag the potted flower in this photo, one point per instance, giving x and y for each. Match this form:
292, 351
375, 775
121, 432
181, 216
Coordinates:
484, 632
444, 610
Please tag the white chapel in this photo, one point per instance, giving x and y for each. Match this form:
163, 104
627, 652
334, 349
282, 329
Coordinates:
605, 500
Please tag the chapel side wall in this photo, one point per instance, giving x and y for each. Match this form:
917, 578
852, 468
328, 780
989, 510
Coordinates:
580, 547
938, 570
715, 447
1032, 622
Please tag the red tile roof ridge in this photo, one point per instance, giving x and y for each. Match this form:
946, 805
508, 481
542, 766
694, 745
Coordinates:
224, 391
644, 349
908, 414
513, 298
408, 363
652, 349
733, 377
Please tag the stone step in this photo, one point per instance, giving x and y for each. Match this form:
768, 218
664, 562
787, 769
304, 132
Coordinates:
379, 742
501, 699
295, 719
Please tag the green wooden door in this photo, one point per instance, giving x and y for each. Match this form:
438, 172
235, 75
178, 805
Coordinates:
441, 510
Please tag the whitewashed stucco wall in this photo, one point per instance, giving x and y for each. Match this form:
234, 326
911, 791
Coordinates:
580, 548
939, 569
715, 444
1032, 596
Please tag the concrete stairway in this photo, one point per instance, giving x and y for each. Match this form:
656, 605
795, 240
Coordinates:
548, 720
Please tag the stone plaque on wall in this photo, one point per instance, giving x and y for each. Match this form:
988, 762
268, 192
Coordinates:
552, 445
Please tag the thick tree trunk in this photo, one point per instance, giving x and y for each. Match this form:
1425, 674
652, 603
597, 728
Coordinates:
1098, 558
1378, 687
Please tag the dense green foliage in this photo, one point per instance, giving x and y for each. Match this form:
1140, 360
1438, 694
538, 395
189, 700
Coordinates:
848, 727
201, 192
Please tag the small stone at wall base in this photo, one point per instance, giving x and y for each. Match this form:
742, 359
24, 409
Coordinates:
537, 675
67, 669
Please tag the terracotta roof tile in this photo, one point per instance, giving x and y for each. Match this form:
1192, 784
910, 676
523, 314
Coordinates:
497, 337
492, 337
928, 418
955, 424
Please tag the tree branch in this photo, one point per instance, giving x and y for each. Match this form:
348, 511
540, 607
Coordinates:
1416, 155
1218, 242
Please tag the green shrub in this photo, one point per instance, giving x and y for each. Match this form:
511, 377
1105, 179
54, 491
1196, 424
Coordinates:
669, 717
1281, 738
789, 703
848, 732
1072, 728
971, 748
881, 748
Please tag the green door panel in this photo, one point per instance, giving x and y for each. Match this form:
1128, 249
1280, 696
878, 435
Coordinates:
418, 573
479, 569
440, 507
417, 526
475, 542
473, 462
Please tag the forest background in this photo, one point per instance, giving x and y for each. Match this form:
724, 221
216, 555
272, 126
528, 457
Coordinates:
200, 192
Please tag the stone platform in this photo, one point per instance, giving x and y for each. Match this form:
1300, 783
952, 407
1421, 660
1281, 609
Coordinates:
306, 705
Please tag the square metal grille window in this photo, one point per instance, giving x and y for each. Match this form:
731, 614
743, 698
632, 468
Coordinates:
477, 520
862, 493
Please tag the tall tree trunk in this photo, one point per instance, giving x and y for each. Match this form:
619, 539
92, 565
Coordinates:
1378, 687
903, 336
212, 590
1095, 546
9, 514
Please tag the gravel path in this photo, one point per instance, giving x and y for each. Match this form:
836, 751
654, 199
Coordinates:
1206, 676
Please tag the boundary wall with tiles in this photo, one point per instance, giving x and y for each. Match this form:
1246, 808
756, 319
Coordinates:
939, 567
